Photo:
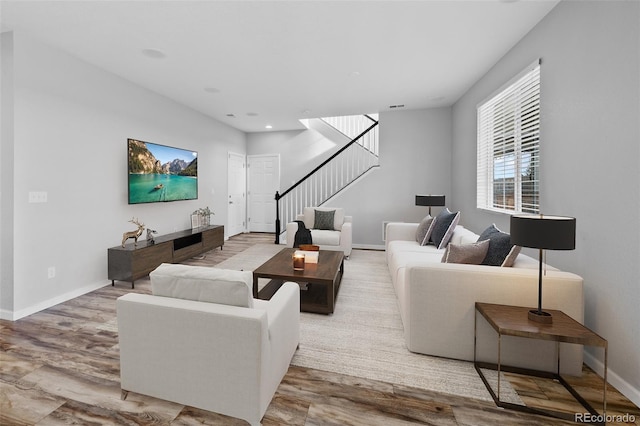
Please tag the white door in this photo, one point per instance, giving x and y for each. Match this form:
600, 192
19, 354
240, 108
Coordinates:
237, 184
264, 180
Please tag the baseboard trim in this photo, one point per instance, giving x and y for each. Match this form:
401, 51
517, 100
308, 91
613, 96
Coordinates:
614, 379
368, 246
16, 315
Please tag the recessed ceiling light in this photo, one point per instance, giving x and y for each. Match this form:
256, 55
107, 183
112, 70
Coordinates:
154, 53
396, 106
354, 74
268, 126
252, 114
211, 90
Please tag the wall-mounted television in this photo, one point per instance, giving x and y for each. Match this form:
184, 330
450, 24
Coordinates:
161, 173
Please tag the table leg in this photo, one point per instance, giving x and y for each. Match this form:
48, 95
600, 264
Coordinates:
475, 334
255, 286
499, 353
604, 391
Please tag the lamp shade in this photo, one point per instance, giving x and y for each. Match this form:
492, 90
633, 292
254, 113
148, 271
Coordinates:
543, 232
430, 200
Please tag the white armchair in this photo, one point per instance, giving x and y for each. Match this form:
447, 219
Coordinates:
338, 239
219, 357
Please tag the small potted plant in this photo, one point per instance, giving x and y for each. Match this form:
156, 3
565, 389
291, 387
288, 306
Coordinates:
204, 216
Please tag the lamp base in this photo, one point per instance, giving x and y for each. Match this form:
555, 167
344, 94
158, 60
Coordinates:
540, 316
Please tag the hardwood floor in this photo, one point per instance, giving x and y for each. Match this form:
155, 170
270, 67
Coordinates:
61, 366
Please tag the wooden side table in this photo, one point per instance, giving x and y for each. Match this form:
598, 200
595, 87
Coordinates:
513, 321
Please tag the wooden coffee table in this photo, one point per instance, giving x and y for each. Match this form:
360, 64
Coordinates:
319, 282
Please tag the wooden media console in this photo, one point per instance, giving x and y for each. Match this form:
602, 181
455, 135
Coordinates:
131, 262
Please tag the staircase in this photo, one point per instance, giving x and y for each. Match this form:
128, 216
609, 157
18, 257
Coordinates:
336, 173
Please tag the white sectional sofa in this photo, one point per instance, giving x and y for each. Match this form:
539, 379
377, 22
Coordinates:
437, 302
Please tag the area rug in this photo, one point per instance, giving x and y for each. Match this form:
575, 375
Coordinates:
364, 336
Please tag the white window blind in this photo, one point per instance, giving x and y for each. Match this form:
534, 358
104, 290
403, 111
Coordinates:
509, 146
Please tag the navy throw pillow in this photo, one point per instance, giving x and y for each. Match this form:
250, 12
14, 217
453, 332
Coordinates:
500, 247
443, 228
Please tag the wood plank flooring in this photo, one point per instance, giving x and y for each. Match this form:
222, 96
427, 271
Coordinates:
61, 366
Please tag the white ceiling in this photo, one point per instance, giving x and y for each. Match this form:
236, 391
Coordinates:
286, 60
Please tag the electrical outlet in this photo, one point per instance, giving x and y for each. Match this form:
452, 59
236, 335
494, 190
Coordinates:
37, 197
51, 272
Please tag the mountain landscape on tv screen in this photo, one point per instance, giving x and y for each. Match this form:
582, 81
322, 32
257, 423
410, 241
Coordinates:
151, 180
141, 160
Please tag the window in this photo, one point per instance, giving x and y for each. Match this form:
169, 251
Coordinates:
509, 146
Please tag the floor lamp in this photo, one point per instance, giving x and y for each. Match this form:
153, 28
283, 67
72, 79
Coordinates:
544, 233
429, 200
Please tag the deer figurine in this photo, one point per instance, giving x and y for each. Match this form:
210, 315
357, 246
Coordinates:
133, 234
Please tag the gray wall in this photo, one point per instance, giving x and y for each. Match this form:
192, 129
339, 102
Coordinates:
415, 158
590, 152
71, 124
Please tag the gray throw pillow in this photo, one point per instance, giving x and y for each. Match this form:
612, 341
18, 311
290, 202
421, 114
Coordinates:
443, 228
471, 254
501, 252
424, 230
324, 220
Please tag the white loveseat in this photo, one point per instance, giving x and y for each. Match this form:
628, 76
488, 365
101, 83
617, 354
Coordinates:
437, 302
338, 239
215, 356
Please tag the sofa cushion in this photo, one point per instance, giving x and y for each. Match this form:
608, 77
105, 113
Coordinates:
501, 252
473, 253
445, 223
203, 284
324, 220
310, 216
325, 238
526, 262
400, 247
423, 232
397, 247
401, 260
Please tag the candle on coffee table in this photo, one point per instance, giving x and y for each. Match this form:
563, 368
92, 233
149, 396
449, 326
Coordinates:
298, 262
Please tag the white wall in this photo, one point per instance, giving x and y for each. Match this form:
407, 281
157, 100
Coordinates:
300, 151
590, 153
6, 173
71, 122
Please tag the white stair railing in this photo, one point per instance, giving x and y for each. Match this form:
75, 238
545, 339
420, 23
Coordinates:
354, 125
332, 176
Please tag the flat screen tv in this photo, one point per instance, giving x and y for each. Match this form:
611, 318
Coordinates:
161, 173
